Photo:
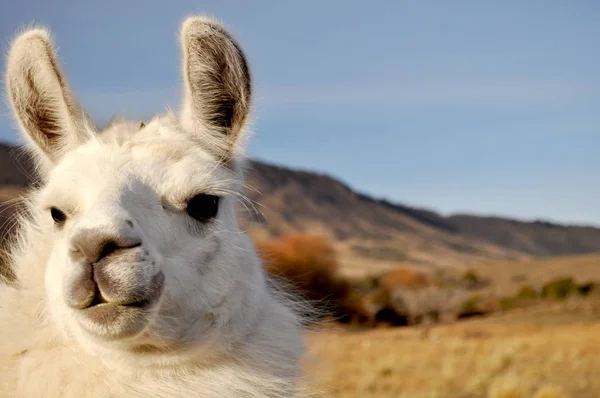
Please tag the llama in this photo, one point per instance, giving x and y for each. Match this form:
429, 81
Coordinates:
133, 277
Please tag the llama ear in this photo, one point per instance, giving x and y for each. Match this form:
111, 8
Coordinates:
47, 114
217, 85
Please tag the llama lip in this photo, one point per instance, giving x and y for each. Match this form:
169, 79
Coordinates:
152, 293
116, 320
111, 322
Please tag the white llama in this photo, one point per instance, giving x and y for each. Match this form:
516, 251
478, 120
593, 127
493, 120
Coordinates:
133, 277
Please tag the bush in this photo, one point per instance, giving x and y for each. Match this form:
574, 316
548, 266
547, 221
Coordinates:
508, 303
367, 285
414, 297
585, 289
471, 305
309, 263
471, 277
471, 280
559, 289
526, 292
404, 278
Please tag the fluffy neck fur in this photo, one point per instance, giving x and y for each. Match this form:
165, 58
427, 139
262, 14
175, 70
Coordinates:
37, 359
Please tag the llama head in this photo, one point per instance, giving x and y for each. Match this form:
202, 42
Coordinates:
146, 252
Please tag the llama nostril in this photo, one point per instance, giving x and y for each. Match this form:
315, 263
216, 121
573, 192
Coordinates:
108, 248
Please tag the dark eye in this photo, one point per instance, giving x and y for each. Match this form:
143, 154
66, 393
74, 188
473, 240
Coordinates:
203, 207
58, 216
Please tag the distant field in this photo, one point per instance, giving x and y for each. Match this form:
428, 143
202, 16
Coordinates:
550, 351
508, 276
505, 277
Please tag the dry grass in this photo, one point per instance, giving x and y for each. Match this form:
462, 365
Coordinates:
510, 356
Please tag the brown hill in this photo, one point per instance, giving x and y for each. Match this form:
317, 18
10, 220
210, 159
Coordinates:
371, 234
539, 238
15, 166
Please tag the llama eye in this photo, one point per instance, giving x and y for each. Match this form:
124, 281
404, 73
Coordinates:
203, 207
58, 216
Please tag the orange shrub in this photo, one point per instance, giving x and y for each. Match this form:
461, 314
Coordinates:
404, 277
310, 264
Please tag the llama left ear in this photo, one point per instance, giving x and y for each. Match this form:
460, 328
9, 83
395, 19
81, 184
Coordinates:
217, 86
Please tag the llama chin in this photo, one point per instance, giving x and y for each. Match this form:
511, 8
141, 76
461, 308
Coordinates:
132, 275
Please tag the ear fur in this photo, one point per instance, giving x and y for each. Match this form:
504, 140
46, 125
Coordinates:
49, 117
217, 92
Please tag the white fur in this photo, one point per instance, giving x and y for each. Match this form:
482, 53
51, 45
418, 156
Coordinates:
219, 328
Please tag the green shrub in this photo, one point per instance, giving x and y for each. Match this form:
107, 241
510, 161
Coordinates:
471, 278
559, 289
526, 292
471, 305
508, 303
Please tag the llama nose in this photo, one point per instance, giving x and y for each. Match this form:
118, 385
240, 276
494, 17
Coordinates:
93, 245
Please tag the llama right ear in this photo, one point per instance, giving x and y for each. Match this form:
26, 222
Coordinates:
217, 86
47, 114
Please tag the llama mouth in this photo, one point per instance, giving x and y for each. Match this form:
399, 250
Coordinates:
99, 300
139, 304
121, 319
153, 292
135, 304
111, 321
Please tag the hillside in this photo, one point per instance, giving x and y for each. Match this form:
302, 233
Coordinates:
15, 166
372, 234
538, 238
327, 199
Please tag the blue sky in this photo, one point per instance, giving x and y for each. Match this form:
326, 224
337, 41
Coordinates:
462, 106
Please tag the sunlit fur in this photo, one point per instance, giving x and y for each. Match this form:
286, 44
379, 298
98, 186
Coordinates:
218, 328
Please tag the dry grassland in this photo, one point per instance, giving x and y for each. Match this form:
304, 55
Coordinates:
548, 352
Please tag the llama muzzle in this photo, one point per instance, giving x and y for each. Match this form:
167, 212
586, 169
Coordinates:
121, 288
